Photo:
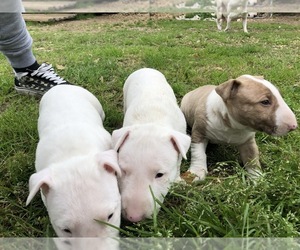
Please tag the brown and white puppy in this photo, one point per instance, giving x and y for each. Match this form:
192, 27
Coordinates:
231, 113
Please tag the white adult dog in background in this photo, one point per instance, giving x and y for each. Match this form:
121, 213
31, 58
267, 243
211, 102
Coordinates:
231, 10
76, 168
151, 143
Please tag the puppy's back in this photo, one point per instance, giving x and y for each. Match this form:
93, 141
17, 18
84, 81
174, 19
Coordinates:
146, 83
70, 120
69, 103
193, 104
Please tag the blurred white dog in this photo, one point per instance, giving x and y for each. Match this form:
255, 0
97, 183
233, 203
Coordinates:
231, 10
76, 170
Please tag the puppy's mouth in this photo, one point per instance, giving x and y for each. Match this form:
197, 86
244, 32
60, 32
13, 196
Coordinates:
269, 130
273, 131
281, 131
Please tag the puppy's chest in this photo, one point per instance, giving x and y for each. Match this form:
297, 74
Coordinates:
219, 131
230, 136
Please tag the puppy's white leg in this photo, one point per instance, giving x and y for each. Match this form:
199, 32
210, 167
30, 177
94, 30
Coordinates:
244, 17
219, 23
198, 160
229, 16
219, 14
219, 20
250, 157
228, 22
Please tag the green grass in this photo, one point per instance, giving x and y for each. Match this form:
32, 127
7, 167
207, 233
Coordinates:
99, 56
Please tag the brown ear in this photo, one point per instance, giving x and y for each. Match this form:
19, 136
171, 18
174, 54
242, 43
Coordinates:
228, 89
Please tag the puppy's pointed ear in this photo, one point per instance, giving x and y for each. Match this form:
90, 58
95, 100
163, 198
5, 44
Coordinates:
109, 161
181, 142
228, 90
40, 180
119, 136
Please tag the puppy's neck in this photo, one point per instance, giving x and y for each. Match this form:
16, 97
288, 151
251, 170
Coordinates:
219, 116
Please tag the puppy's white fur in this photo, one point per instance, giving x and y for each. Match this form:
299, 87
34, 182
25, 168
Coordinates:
151, 143
231, 113
231, 10
75, 165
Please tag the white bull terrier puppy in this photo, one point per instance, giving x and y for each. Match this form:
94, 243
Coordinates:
75, 165
151, 143
231, 10
231, 113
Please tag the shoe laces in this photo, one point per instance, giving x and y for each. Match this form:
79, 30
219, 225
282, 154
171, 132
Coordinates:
46, 71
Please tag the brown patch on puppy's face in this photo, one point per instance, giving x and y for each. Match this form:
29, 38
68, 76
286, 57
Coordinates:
250, 103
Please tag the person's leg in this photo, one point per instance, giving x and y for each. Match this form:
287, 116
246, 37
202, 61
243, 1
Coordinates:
9, 6
16, 45
15, 41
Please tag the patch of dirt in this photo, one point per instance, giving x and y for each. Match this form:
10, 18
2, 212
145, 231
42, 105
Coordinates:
293, 19
131, 6
131, 17
95, 23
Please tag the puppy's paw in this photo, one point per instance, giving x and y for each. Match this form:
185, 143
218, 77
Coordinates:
201, 174
180, 180
254, 175
254, 172
191, 176
188, 177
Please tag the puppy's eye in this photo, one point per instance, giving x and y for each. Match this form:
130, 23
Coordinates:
266, 102
67, 230
110, 216
159, 175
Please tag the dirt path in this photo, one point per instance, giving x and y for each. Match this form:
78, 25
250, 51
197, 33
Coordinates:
140, 17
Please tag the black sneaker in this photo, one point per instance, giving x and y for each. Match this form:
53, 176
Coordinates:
37, 82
